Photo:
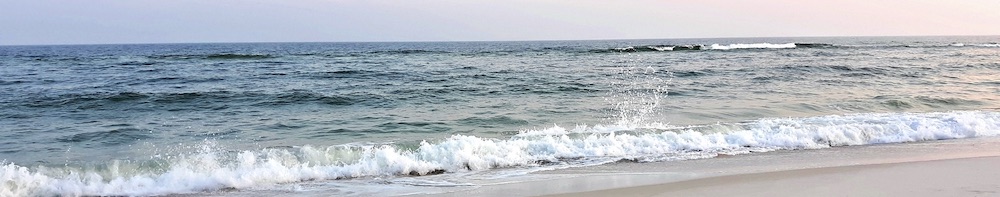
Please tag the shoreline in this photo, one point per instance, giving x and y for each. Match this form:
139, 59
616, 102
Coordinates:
947, 177
890, 168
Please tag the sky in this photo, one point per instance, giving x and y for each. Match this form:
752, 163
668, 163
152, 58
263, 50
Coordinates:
31, 22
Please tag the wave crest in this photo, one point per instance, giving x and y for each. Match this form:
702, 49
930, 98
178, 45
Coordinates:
217, 168
699, 47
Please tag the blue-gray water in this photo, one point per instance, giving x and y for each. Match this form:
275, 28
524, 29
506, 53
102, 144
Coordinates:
139, 119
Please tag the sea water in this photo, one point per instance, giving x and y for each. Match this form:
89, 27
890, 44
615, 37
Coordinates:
371, 118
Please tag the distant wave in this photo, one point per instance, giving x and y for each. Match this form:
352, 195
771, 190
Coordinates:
975, 45
407, 51
645, 48
217, 168
217, 56
192, 100
739, 46
751, 46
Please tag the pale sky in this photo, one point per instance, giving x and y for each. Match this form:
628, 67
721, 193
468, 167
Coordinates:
193, 21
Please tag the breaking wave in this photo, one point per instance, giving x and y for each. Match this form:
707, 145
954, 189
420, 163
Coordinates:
975, 45
751, 46
216, 168
689, 47
702, 47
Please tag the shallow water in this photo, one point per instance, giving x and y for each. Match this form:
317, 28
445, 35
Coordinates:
183, 118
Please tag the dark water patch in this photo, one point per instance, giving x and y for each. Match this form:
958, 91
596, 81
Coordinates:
78, 99
841, 68
174, 57
415, 127
306, 54
494, 121
182, 80
425, 93
34, 57
685, 74
107, 138
678, 93
237, 56
407, 52
347, 72
10, 150
358, 74
273, 62
51, 58
435, 80
148, 70
574, 89
814, 45
807, 107
285, 126
991, 65
126, 96
8, 115
551, 88
215, 100
506, 71
215, 56
764, 78
910, 74
776, 78
946, 101
118, 125
138, 63
188, 97
305, 96
12, 82
910, 102
897, 104
839, 82
438, 95
230, 132
857, 75
350, 131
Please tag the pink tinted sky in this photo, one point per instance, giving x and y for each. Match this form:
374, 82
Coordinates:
183, 21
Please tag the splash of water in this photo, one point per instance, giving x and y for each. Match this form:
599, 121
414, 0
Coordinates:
637, 92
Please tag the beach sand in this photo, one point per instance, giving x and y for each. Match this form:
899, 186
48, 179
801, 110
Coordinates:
964, 167
951, 177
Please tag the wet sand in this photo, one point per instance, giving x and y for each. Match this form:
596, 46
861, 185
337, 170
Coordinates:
952, 177
964, 167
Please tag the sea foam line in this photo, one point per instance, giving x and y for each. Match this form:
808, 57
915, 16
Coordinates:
751, 46
214, 170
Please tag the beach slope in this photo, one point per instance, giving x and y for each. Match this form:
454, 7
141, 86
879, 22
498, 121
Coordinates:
951, 177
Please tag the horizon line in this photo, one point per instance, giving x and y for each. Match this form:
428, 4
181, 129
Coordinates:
460, 41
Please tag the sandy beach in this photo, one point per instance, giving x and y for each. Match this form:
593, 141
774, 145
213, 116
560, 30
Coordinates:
951, 177
965, 167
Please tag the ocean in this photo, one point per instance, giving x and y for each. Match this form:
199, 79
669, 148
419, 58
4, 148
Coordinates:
359, 119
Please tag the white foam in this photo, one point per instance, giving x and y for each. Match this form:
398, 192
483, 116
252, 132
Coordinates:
975, 45
662, 48
213, 170
751, 46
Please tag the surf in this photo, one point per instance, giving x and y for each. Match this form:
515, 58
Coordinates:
217, 168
